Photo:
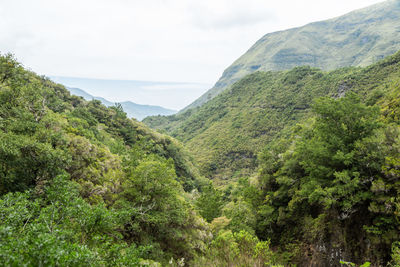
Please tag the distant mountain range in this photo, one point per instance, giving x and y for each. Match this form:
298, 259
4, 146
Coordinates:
134, 110
171, 95
358, 38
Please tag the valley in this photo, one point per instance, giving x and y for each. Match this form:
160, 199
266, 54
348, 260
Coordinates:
291, 159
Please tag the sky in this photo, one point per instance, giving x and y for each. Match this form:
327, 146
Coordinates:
171, 95
150, 40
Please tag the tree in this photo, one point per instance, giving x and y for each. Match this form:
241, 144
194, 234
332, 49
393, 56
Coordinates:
320, 184
209, 203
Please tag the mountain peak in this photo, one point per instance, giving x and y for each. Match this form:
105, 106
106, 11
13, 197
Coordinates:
358, 38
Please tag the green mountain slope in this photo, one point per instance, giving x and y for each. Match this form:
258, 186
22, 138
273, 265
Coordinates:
359, 38
328, 193
133, 110
83, 185
226, 134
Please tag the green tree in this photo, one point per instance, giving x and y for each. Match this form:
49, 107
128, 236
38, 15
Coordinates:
209, 203
320, 183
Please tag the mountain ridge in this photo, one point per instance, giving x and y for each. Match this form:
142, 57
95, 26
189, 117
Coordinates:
358, 38
137, 111
226, 133
168, 94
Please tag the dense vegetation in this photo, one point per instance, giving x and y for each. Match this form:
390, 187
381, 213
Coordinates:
83, 185
328, 193
312, 159
227, 133
321, 184
359, 38
332, 189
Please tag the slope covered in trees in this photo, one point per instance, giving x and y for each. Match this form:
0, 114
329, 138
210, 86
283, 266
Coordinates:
228, 132
359, 38
81, 184
329, 192
327, 188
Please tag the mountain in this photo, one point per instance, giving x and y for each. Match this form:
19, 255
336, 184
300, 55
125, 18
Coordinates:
227, 133
359, 38
310, 160
172, 95
133, 110
88, 97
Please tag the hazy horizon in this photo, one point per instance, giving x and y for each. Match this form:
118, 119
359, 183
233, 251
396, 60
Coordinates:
156, 40
171, 95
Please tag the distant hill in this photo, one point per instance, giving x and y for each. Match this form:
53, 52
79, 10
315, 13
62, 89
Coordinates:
226, 134
134, 110
359, 38
171, 95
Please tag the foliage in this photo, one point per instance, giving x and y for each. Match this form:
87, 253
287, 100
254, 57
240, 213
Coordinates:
332, 177
227, 133
59, 228
158, 214
328, 186
237, 249
81, 184
395, 254
209, 203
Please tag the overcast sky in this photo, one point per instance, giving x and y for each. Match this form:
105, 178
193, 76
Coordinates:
153, 40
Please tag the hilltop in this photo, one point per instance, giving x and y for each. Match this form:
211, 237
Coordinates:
359, 38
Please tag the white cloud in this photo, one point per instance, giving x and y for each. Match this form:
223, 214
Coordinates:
226, 14
163, 40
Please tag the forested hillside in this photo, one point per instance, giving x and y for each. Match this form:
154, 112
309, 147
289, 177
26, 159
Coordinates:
326, 191
329, 193
314, 179
83, 185
227, 133
292, 159
327, 188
